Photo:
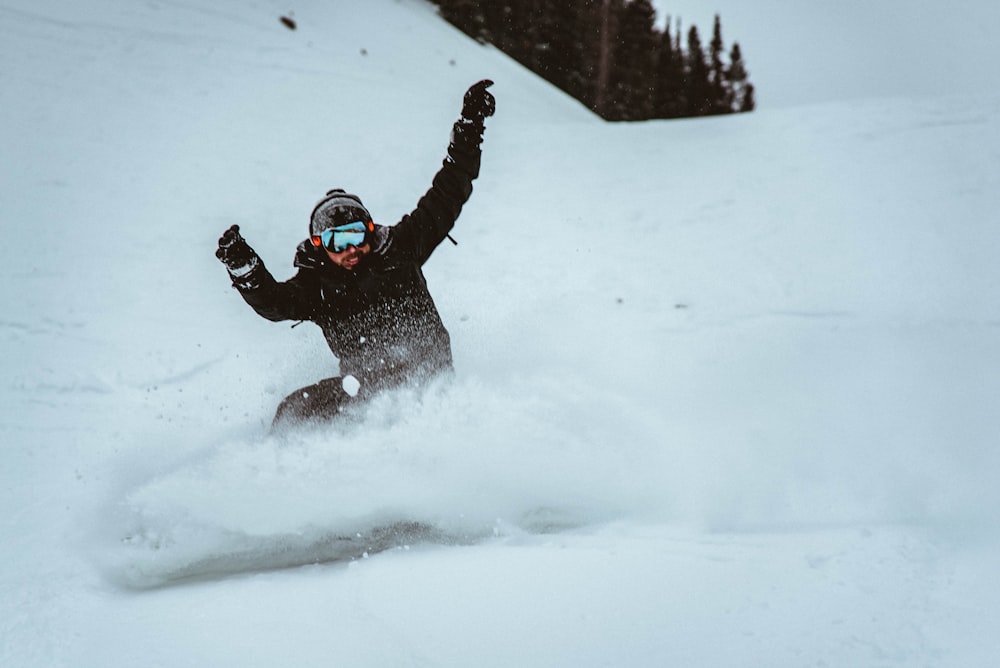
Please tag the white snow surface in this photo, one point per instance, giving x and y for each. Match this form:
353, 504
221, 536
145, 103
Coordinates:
725, 392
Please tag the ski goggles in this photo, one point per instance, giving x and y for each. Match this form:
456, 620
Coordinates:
340, 238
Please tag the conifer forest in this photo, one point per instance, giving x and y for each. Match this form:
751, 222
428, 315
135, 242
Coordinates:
612, 56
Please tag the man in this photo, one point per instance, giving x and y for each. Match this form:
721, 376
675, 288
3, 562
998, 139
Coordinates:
362, 283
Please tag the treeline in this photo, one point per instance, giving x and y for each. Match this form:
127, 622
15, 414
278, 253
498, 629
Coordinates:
610, 55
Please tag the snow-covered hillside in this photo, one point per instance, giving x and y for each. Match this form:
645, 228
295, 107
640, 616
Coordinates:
725, 391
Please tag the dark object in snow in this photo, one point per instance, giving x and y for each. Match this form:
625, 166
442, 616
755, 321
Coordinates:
154, 566
288, 22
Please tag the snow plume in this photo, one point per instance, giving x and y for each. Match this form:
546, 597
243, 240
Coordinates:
463, 462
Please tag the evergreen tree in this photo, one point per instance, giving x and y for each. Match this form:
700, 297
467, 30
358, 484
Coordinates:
736, 78
748, 102
721, 101
634, 66
585, 26
543, 58
607, 17
559, 52
497, 18
697, 88
518, 31
466, 15
669, 101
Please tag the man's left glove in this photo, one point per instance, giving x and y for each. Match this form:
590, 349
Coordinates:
467, 133
478, 102
235, 253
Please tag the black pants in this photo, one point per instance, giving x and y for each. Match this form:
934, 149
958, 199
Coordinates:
322, 401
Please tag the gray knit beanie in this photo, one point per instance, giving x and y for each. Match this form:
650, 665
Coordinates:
337, 208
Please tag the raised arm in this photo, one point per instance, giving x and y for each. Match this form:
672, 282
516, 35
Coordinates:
428, 225
275, 301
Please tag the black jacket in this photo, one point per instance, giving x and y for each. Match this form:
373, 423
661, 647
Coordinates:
379, 319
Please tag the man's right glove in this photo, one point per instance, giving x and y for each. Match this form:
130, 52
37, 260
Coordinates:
234, 252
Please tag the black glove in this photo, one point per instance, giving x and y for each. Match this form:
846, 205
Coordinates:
234, 252
467, 133
478, 102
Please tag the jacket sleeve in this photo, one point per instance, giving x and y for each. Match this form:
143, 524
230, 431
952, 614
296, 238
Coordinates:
425, 227
294, 299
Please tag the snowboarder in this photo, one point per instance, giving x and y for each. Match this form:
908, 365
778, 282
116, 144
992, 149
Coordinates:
362, 283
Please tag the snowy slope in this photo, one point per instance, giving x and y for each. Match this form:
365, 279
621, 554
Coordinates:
725, 388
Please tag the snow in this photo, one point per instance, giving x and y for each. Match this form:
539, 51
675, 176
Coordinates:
756, 425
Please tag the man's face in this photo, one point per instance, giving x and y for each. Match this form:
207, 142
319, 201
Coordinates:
347, 243
349, 257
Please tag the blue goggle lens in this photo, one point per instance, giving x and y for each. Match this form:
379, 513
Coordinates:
339, 238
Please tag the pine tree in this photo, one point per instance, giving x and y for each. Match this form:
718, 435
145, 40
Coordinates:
697, 89
634, 69
736, 78
586, 30
559, 54
721, 101
748, 102
466, 15
607, 30
497, 28
544, 57
519, 32
669, 101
